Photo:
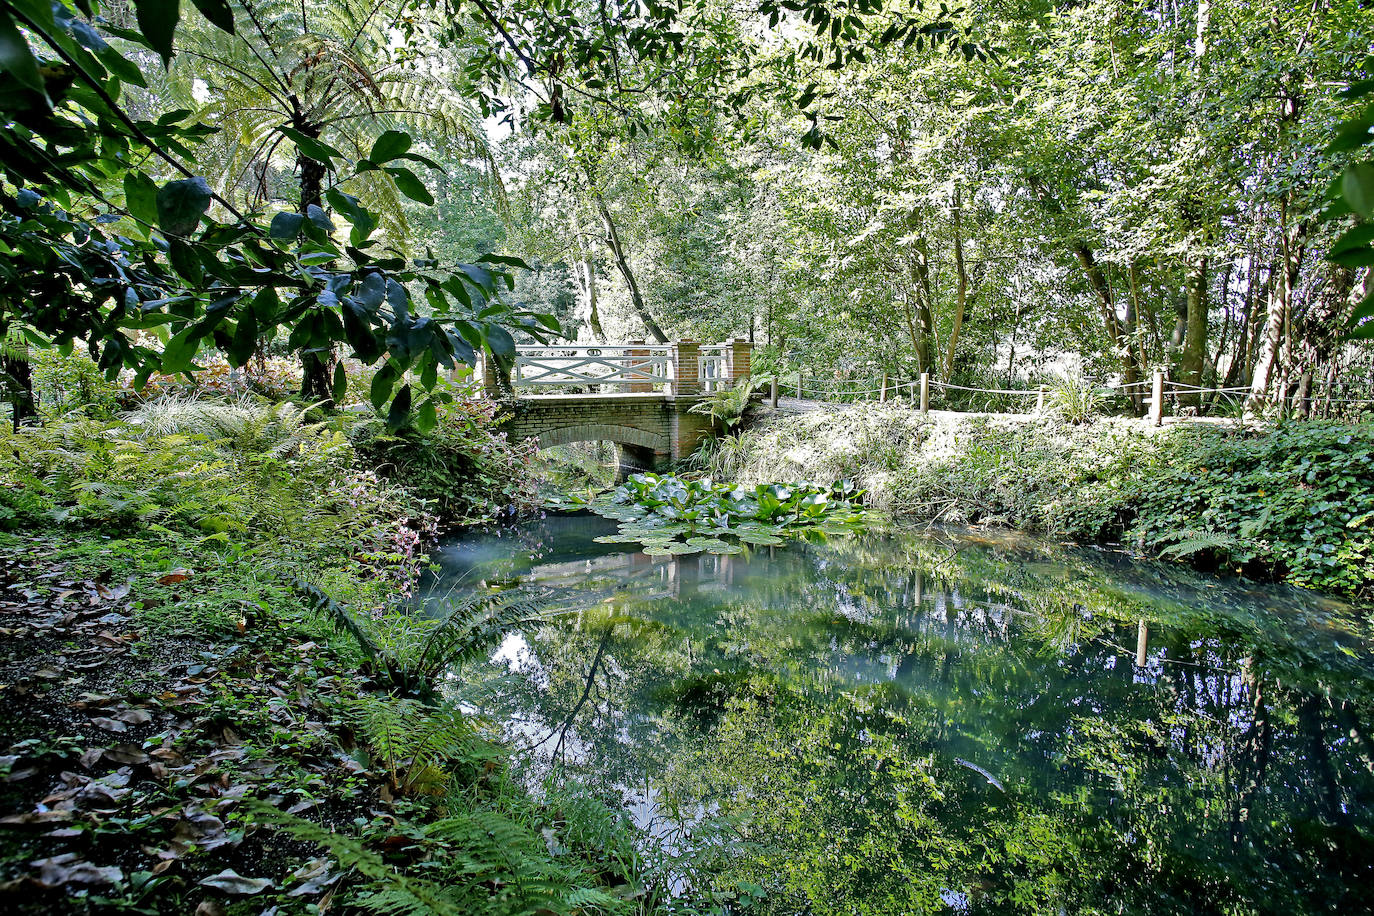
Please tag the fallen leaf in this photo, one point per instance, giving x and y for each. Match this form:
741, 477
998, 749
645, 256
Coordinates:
175, 576
231, 882
126, 754
135, 716
69, 869
110, 725
316, 877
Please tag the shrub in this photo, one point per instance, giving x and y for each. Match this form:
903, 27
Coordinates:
1297, 500
465, 471
1293, 501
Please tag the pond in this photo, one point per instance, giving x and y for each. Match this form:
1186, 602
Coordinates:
942, 721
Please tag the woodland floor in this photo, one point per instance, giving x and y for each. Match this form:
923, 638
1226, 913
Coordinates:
129, 753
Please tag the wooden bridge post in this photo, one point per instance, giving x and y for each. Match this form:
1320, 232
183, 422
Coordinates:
925, 392
739, 352
686, 363
1157, 398
773, 392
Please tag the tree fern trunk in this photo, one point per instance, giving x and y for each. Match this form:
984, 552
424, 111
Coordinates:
17, 375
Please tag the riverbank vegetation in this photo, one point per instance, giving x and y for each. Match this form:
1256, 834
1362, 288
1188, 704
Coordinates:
188, 727
1293, 501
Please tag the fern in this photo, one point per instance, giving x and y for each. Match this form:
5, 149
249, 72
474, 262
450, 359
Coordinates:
338, 615
414, 741
479, 862
1191, 541
411, 648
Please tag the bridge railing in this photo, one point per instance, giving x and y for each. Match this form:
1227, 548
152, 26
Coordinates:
680, 368
713, 367
637, 366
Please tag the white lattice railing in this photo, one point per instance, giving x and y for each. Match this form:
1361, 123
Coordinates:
645, 366
713, 367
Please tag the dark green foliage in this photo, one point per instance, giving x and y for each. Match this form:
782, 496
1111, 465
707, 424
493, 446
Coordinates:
466, 472
1296, 501
408, 649
479, 861
1293, 501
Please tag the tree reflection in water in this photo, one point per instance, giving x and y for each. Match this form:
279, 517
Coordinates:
910, 722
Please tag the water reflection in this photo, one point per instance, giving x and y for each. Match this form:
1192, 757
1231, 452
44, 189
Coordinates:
906, 722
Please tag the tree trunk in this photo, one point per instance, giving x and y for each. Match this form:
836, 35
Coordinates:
1279, 311
920, 282
961, 290
623, 264
1194, 354
317, 369
1106, 306
17, 375
588, 278
317, 375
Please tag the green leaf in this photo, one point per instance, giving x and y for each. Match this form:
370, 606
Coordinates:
245, 341
382, 383
499, 340
389, 145
140, 196
340, 386
398, 417
157, 20
1353, 133
286, 225
313, 148
410, 186
507, 260
1357, 187
181, 351
181, 204
427, 417
16, 59
218, 13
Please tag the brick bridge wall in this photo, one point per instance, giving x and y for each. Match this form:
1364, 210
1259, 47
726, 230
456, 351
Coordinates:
649, 429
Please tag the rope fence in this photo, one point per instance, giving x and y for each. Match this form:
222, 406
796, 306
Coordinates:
1152, 394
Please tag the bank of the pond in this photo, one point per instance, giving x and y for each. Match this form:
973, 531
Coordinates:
1292, 501
186, 726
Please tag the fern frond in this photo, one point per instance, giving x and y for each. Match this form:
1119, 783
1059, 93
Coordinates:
338, 615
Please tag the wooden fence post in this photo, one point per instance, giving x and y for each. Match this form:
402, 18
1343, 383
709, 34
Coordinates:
1040, 400
1157, 398
925, 392
799, 384
773, 392
882, 393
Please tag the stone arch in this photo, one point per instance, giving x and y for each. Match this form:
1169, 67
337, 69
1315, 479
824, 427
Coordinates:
595, 432
636, 449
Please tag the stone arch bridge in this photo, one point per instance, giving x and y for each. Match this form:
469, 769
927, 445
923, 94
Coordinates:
636, 395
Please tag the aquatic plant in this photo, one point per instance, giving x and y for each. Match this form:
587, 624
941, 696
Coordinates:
669, 515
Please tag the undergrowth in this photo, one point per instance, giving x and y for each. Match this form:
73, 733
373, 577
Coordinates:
1293, 501
240, 578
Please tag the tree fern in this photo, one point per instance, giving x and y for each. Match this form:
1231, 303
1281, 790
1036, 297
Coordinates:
328, 72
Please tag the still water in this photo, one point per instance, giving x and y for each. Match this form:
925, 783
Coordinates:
943, 721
